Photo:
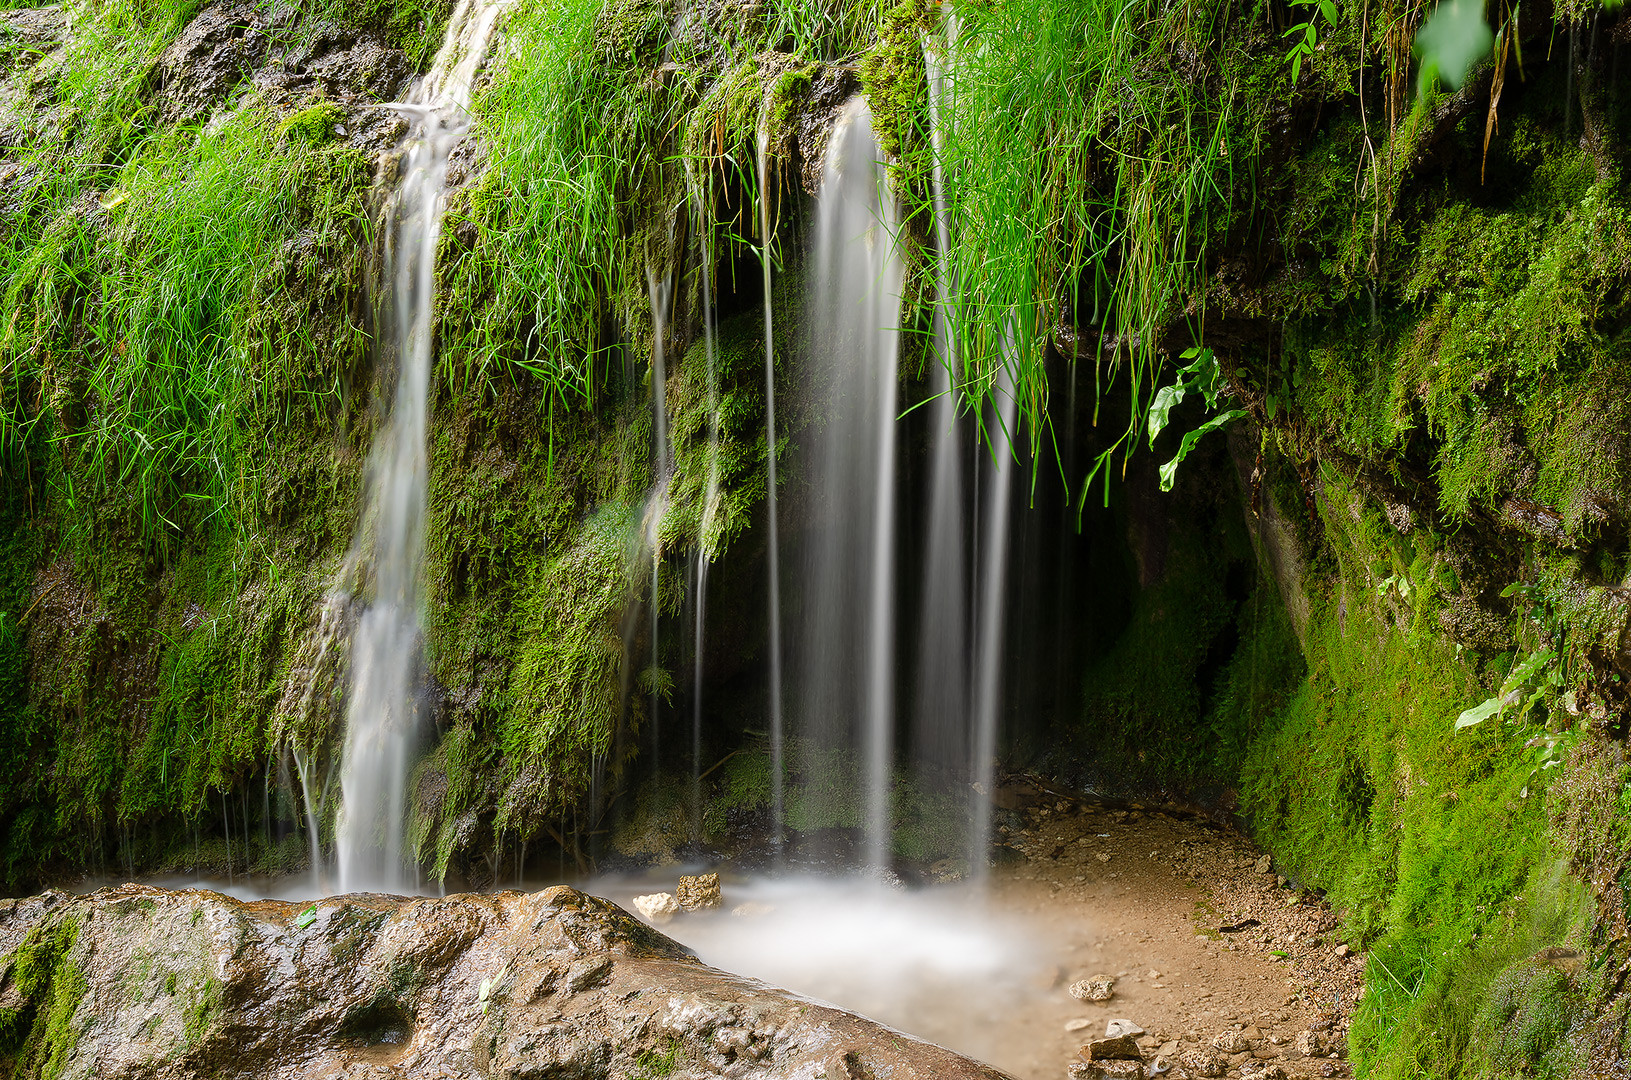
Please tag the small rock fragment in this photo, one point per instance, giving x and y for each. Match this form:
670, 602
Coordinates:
1093, 988
1230, 1042
657, 908
1115, 1048
752, 909
1077, 1024
1265, 864
1340, 951
1205, 1063
1114, 1029
700, 893
1107, 1070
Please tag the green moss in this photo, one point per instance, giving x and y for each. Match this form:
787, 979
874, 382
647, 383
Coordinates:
897, 94
1523, 1019
313, 124
202, 1006
39, 1035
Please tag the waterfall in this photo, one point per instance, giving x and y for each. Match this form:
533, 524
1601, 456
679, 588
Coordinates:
710, 499
777, 750
382, 715
657, 502
941, 713
848, 641
992, 613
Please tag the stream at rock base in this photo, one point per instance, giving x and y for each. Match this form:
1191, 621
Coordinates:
988, 976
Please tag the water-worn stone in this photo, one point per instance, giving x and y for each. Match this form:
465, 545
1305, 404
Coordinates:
1094, 988
188, 985
1121, 1026
657, 908
1114, 1048
700, 893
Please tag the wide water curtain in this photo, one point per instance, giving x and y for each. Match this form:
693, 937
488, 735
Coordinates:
847, 638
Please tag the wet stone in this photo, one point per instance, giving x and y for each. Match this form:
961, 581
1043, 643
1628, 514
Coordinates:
700, 893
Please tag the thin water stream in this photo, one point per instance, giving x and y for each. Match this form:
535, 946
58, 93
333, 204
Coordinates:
382, 716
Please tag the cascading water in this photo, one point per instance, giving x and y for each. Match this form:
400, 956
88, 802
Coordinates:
777, 750
992, 615
941, 711
848, 635
710, 508
381, 718
657, 503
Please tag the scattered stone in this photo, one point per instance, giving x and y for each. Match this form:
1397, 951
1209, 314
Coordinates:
1267, 1072
1103, 856
1235, 928
700, 893
658, 909
1231, 1042
1113, 1048
1094, 988
1204, 1063
1114, 1029
1340, 951
1078, 1024
1265, 864
1107, 1070
752, 909
1312, 1044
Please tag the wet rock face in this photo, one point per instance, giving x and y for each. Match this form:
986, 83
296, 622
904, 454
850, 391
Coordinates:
553, 984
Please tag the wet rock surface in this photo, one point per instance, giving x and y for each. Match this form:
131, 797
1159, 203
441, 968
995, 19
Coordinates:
515, 985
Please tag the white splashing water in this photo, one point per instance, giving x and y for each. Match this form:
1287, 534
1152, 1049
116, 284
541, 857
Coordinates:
847, 642
382, 715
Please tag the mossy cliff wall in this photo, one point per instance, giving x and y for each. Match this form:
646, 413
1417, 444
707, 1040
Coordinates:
1416, 293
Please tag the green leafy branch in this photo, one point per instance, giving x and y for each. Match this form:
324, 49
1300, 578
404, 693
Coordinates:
1200, 376
1530, 679
1307, 33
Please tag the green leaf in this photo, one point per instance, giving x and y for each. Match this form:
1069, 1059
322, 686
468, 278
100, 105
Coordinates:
1166, 399
1272, 404
1452, 40
1330, 11
1526, 670
1169, 471
306, 918
1478, 713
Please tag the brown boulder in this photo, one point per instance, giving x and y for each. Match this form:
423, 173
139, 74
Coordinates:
144, 982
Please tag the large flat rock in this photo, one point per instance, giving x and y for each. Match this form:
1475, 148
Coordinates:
145, 982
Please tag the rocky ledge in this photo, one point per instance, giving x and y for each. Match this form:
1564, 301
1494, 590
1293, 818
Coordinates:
145, 982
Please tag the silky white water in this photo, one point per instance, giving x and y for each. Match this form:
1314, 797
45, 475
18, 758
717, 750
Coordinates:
846, 642
382, 715
941, 707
